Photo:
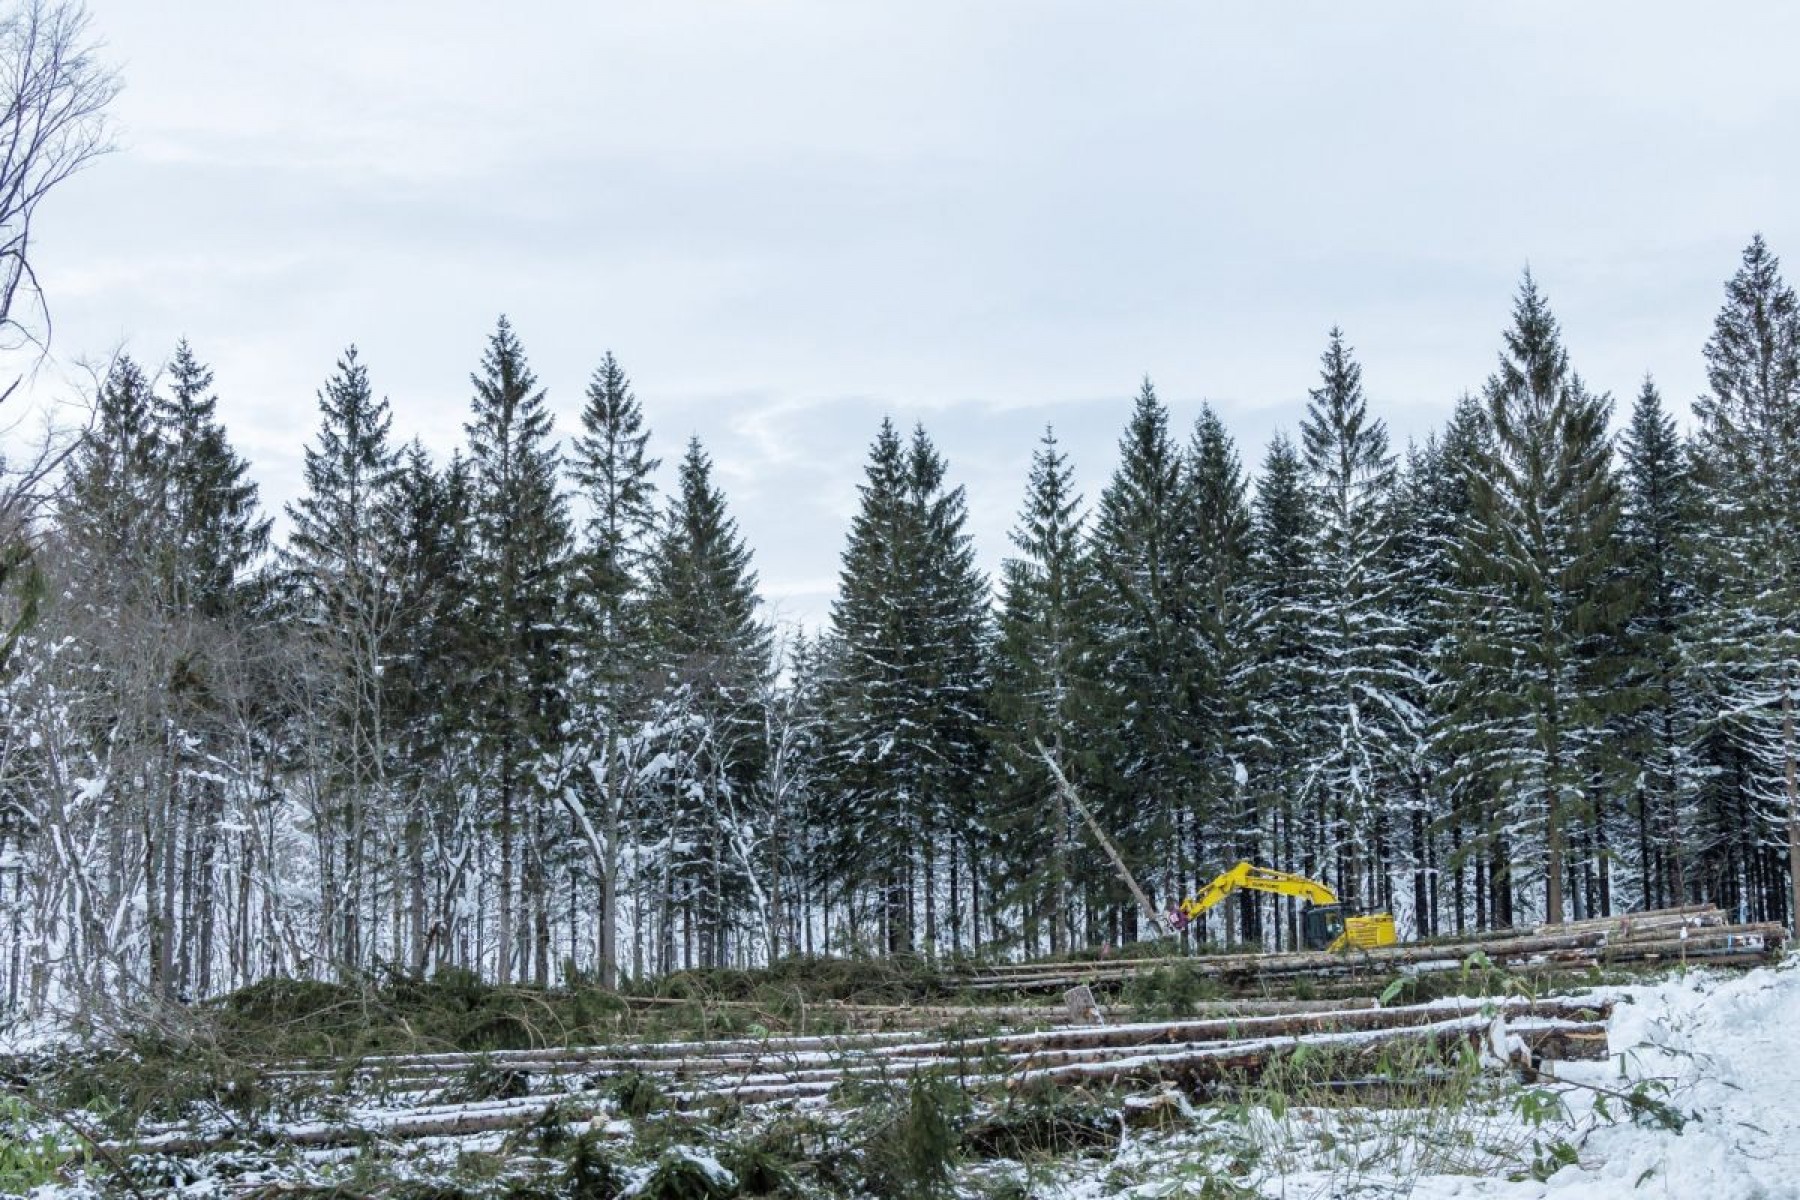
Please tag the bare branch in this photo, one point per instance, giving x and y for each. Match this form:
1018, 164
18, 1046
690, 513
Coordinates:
54, 91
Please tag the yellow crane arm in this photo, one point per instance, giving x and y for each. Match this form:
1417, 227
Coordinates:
1256, 879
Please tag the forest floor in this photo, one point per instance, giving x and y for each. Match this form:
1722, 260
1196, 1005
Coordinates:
896, 1080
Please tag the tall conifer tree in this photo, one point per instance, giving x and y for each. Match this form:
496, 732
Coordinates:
116, 496
1142, 548
872, 696
113, 541
1657, 546
614, 475
427, 523
1465, 742
522, 548
1222, 820
216, 533
953, 600
1366, 719
1038, 659
1749, 470
1280, 691
713, 662
908, 692
219, 531
338, 563
1541, 538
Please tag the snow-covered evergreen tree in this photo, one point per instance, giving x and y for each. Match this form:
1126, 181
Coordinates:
337, 564
1657, 545
215, 535
1417, 801
1221, 822
219, 532
1540, 549
1041, 638
1366, 722
428, 524
712, 663
1466, 742
1145, 773
1280, 691
1748, 458
909, 694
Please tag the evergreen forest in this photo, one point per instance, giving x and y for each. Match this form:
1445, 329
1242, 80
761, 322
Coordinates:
521, 713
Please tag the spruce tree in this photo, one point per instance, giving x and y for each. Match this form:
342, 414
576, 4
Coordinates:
1141, 547
113, 538
216, 533
1749, 472
908, 693
1041, 637
218, 530
522, 546
426, 689
115, 503
348, 469
1541, 540
1366, 722
872, 696
1656, 537
1464, 749
1280, 688
1222, 823
712, 660
954, 661
614, 475
337, 562
1417, 806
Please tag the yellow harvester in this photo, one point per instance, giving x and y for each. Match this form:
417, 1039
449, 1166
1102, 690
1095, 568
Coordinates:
1324, 923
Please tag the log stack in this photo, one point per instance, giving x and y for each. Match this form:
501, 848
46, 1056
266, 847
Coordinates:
1697, 934
574, 1084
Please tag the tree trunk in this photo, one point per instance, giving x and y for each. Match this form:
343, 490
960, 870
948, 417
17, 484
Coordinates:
415, 880
1421, 882
205, 887
607, 935
1553, 841
503, 966
543, 949
1788, 750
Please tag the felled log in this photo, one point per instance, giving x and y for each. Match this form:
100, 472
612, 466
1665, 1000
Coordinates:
1192, 1067
1654, 934
430, 1121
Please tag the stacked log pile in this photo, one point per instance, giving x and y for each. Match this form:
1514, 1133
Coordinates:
573, 1084
1696, 934
1227, 1046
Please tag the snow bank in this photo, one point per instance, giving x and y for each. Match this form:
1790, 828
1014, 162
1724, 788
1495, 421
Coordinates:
1727, 1049
1730, 1049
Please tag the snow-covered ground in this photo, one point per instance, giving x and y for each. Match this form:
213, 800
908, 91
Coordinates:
1699, 1098
1712, 1059
1729, 1049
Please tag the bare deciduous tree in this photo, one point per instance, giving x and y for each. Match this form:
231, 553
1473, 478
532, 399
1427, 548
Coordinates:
54, 92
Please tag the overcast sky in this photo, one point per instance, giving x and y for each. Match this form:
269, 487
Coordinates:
789, 219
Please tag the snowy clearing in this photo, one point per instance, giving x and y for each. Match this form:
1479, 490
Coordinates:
1725, 1047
